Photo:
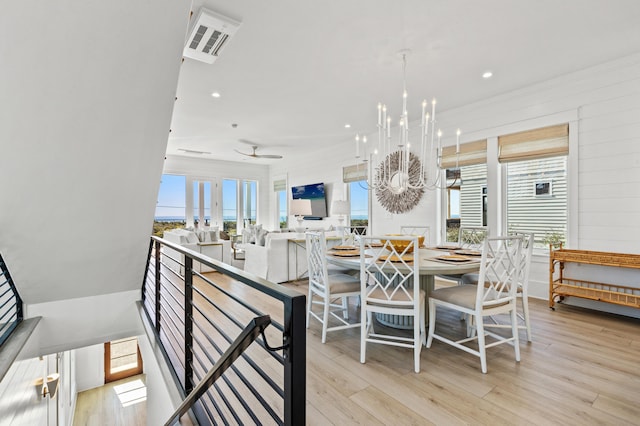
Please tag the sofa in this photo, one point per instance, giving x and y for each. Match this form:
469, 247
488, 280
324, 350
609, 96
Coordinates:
281, 256
205, 242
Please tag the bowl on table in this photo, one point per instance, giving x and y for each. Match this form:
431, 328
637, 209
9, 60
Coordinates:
400, 246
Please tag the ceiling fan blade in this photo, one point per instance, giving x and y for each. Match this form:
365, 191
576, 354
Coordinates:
193, 151
250, 143
244, 153
254, 155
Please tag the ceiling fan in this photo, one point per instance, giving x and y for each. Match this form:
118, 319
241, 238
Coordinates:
254, 155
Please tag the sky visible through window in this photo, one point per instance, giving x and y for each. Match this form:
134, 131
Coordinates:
171, 198
359, 200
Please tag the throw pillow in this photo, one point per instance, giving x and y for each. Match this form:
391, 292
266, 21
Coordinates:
224, 235
201, 236
261, 236
192, 238
249, 235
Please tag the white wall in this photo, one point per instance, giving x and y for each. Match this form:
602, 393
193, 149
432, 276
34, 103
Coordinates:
20, 404
89, 367
85, 124
103, 318
162, 397
603, 101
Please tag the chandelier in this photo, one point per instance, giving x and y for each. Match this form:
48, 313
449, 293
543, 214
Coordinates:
408, 166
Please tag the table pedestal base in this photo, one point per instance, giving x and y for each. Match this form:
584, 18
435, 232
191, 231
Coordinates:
404, 322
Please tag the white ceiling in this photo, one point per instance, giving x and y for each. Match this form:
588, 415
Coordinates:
297, 70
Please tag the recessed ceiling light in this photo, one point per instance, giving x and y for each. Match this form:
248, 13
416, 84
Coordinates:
347, 126
215, 94
487, 74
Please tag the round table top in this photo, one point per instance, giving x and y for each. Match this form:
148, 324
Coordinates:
428, 264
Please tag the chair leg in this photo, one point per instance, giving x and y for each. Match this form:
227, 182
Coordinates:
309, 304
514, 331
481, 344
325, 318
423, 320
417, 341
345, 307
525, 311
432, 322
363, 334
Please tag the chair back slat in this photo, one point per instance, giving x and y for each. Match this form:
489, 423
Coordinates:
317, 260
421, 230
472, 237
390, 273
499, 270
525, 256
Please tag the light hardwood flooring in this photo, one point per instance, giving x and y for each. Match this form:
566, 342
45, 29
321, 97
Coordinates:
583, 367
119, 403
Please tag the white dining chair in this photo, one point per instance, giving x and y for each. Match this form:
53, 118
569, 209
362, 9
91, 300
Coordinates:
351, 234
469, 238
499, 271
472, 237
522, 293
390, 285
424, 231
329, 291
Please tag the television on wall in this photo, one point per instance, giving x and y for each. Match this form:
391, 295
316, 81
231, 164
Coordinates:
315, 193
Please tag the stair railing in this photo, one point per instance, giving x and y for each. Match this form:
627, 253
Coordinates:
10, 303
199, 319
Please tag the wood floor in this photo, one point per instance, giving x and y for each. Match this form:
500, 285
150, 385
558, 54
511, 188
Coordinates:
583, 367
119, 403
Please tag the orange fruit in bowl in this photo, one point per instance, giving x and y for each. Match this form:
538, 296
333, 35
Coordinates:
400, 246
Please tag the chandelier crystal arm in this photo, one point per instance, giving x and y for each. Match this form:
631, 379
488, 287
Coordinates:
406, 164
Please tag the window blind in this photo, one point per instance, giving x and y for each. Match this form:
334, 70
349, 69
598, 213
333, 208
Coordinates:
354, 173
280, 185
470, 153
549, 141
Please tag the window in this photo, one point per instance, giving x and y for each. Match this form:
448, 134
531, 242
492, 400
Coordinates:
239, 204
484, 206
536, 182
280, 189
170, 207
249, 202
202, 202
121, 359
466, 198
466, 173
229, 205
359, 200
356, 176
532, 207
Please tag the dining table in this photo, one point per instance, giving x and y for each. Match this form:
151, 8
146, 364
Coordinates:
453, 261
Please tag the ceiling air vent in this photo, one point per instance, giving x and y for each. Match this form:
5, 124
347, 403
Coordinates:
209, 34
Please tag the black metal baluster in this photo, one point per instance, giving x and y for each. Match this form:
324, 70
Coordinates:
158, 245
188, 325
295, 353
